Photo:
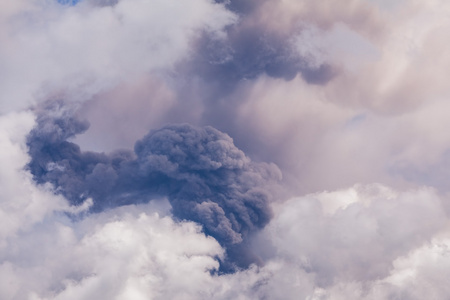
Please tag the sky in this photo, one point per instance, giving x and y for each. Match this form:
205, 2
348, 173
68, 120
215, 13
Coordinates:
227, 149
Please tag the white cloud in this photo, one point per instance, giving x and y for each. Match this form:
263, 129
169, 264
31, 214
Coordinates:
128, 253
51, 50
359, 241
22, 204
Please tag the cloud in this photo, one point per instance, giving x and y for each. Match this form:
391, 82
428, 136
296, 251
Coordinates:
304, 117
81, 50
364, 242
128, 253
22, 203
337, 95
125, 252
150, 104
359, 238
205, 177
134, 251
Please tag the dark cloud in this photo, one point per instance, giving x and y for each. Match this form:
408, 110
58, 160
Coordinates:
103, 2
241, 6
248, 52
253, 48
205, 177
219, 66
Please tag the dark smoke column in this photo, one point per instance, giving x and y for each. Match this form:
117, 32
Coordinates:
213, 182
206, 178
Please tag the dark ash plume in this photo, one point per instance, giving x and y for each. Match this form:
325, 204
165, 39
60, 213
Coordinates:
252, 48
206, 178
212, 181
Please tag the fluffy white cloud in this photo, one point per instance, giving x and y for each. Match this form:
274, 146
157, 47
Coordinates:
128, 253
357, 239
365, 242
22, 204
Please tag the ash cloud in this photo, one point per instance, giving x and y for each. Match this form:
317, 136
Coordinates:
206, 178
250, 50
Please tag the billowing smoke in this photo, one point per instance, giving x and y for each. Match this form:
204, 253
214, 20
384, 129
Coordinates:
205, 177
251, 49
254, 48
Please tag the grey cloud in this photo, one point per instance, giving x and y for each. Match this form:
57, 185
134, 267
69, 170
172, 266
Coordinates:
103, 2
249, 51
226, 187
205, 177
251, 48
241, 6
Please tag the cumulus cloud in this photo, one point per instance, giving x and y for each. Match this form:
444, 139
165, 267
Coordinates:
364, 242
22, 203
120, 255
355, 234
